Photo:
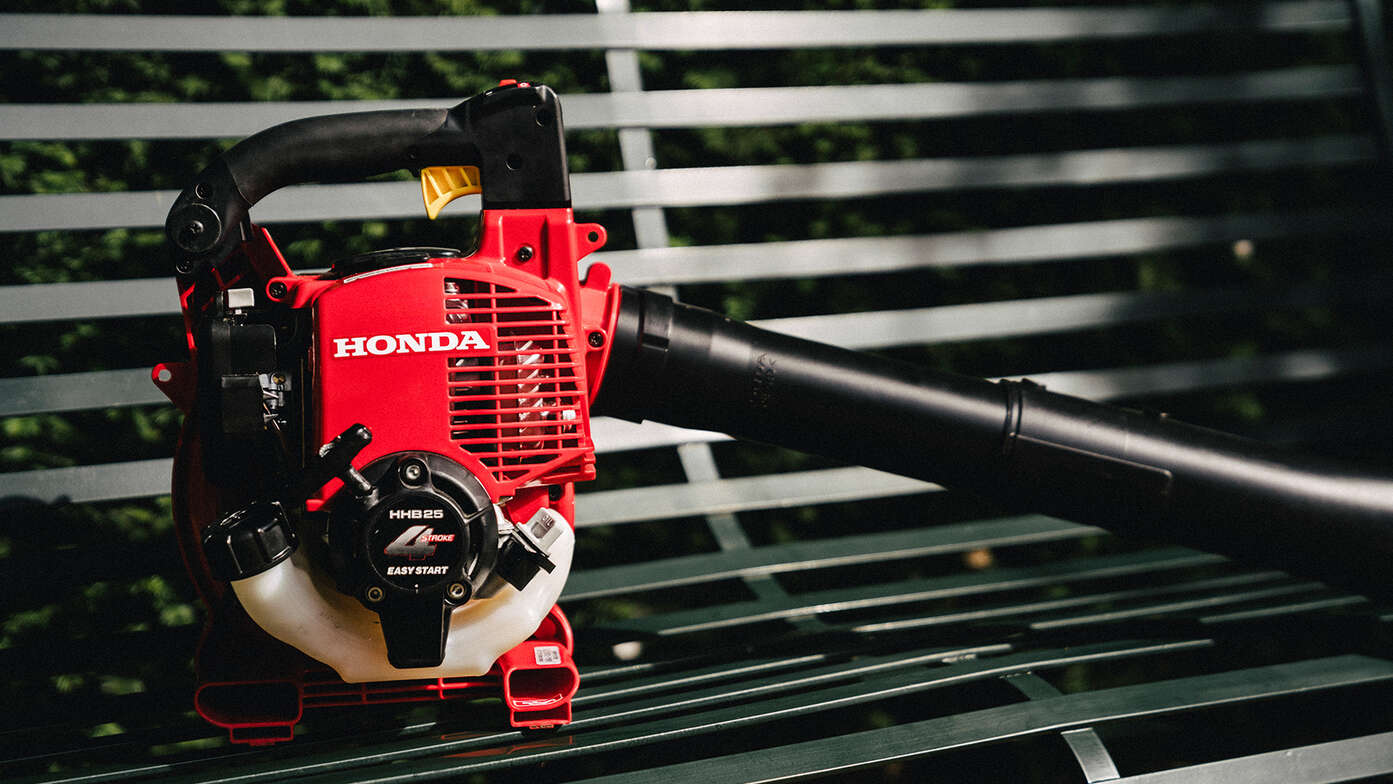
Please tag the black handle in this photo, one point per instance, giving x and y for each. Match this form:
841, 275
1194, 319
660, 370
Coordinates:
512, 133
1129, 471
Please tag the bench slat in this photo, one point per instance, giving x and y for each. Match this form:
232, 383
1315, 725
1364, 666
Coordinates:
1352, 759
1217, 590
78, 391
1148, 562
729, 107
796, 258
728, 185
821, 554
848, 752
1045, 315
722, 496
693, 723
1016, 245
651, 31
1226, 597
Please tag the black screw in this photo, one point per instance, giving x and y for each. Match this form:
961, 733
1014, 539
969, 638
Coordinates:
554, 492
525, 253
191, 231
277, 289
596, 339
201, 190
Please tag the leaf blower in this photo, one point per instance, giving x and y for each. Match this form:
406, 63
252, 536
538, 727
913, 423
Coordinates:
373, 489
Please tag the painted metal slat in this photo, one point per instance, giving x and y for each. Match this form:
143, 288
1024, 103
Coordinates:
724, 496
88, 300
887, 671
148, 478
797, 258
622, 725
718, 683
1288, 608
683, 723
78, 391
617, 435
1044, 315
84, 484
727, 185
652, 31
1177, 606
855, 751
733, 614
1291, 366
1351, 759
820, 554
1216, 591
1016, 245
717, 107
96, 299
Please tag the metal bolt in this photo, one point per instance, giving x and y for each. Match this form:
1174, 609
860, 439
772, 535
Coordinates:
525, 253
374, 594
412, 472
596, 339
191, 231
277, 289
456, 592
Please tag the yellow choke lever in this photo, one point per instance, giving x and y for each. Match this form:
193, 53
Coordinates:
441, 185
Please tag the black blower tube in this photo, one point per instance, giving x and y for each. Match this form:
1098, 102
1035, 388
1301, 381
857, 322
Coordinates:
1136, 473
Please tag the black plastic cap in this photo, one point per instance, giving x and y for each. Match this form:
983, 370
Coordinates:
249, 541
518, 563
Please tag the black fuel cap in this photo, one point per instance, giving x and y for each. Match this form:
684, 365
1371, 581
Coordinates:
249, 541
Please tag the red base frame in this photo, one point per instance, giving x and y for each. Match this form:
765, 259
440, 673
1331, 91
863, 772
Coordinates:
536, 680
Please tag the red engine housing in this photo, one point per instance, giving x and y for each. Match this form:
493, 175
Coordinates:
490, 360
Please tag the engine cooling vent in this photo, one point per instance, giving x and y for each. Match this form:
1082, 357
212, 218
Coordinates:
520, 410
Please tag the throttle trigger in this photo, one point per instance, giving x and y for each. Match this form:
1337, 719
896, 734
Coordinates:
441, 185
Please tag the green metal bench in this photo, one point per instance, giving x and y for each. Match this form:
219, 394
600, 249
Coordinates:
1208, 240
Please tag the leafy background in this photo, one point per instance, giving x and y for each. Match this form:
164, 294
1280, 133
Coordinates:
56, 628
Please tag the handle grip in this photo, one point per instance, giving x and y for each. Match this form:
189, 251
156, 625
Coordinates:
512, 134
